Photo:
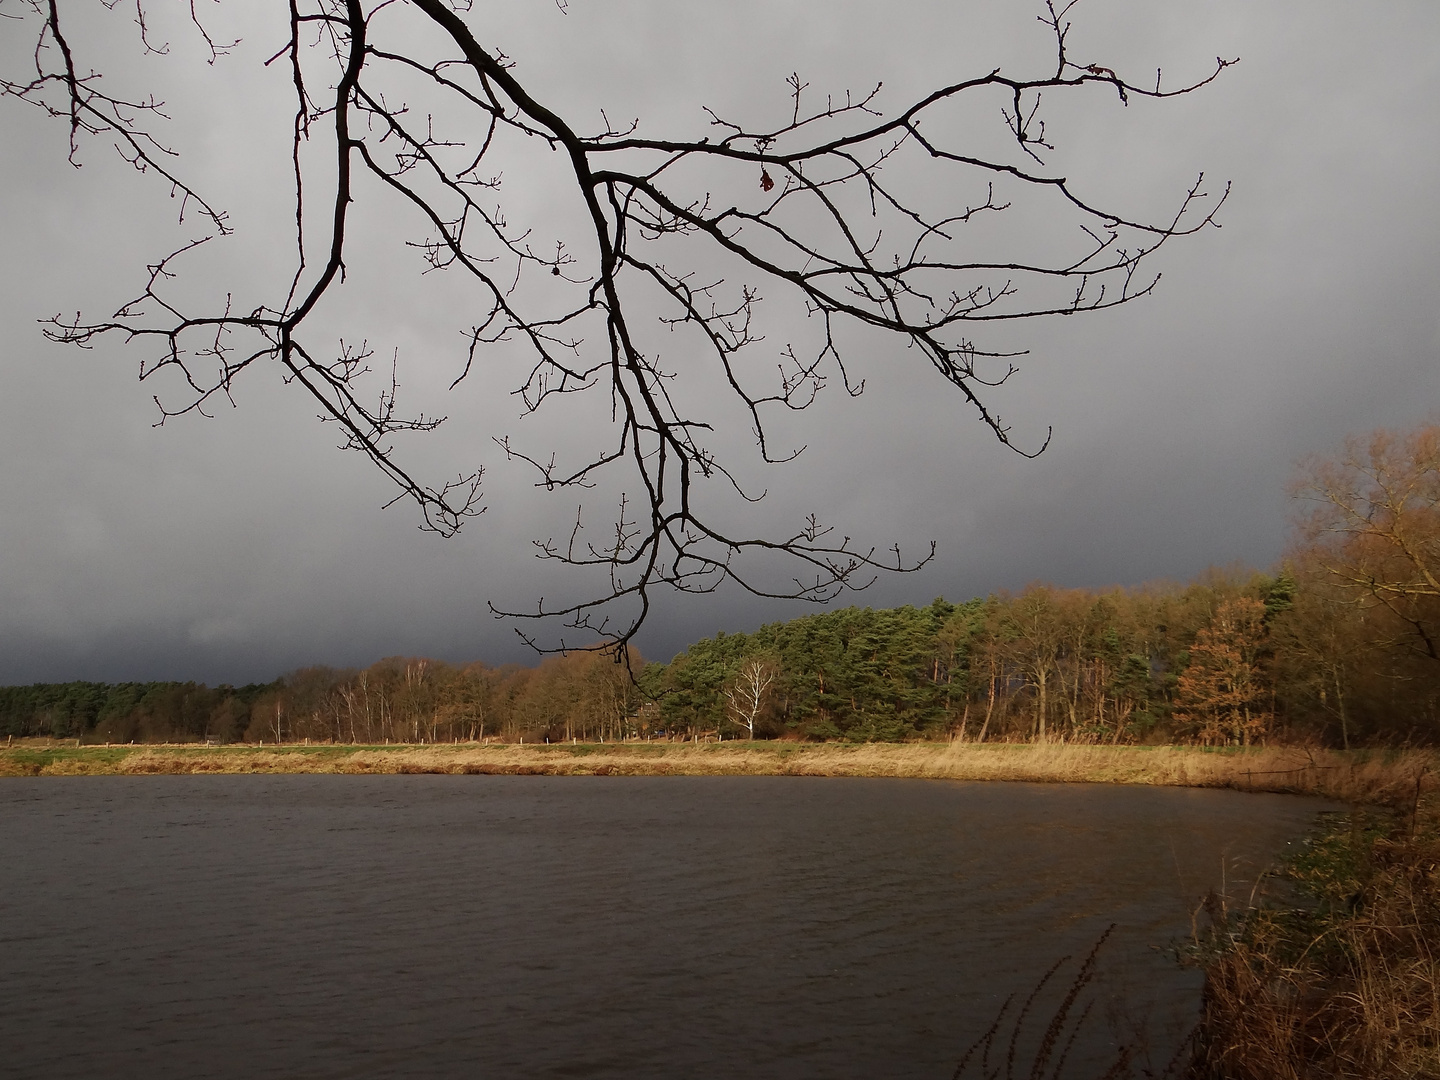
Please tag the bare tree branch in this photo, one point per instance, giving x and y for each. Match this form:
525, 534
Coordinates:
827, 225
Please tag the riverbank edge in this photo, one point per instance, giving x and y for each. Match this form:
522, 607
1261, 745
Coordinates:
1365, 776
1348, 983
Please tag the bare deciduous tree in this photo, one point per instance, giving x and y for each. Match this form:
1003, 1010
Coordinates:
684, 235
747, 693
1373, 531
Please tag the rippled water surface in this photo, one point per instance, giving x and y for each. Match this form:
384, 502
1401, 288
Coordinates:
491, 926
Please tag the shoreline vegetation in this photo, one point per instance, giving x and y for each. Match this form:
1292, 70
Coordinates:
1388, 777
1345, 984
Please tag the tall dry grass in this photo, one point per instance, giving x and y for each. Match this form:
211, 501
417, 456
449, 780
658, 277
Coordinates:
1348, 990
1356, 777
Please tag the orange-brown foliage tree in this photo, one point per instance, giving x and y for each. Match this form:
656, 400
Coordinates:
1222, 696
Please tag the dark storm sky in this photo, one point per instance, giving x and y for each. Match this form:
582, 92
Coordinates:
235, 548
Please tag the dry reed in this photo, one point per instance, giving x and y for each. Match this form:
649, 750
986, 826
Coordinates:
1359, 776
1348, 988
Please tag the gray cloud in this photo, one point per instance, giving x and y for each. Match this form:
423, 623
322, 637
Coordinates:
233, 548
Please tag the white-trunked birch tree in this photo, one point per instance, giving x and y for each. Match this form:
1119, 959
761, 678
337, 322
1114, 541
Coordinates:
747, 693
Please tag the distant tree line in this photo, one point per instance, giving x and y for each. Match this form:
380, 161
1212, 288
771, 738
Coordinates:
582, 696
128, 712
1185, 663
1340, 646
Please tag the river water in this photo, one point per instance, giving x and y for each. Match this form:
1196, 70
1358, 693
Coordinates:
492, 926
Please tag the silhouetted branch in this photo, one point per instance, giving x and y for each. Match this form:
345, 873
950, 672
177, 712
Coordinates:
809, 211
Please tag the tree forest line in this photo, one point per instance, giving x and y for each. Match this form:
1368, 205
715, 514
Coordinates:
1339, 646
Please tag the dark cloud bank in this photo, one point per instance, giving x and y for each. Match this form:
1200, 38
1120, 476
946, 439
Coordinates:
231, 549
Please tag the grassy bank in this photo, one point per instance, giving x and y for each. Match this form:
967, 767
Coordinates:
1347, 983
1357, 776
